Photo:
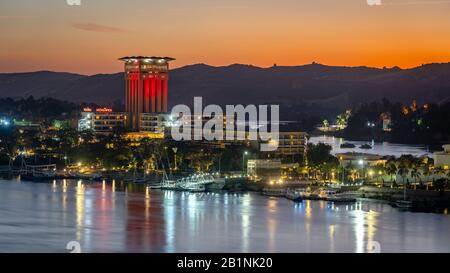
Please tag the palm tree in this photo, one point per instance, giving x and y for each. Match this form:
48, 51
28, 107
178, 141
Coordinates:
391, 170
326, 124
428, 170
341, 122
402, 171
415, 173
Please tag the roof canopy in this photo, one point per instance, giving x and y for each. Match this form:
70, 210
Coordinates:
147, 58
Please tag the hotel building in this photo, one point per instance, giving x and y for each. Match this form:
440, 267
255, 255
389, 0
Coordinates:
146, 89
101, 120
146, 100
442, 158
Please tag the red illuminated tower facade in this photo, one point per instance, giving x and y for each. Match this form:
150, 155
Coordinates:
146, 87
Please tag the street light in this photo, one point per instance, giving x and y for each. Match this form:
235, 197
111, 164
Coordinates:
361, 162
243, 161
175, 149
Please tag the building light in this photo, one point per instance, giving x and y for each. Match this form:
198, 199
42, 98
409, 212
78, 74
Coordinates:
104, 110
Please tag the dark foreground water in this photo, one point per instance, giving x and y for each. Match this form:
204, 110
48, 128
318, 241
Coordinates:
106, 217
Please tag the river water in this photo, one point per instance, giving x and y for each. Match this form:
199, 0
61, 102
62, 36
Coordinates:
380, 148
113, 217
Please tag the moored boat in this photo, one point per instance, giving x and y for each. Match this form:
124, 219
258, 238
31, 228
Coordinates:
40, 173
294, 196
194, 188
332, 196
347, 145
90, 176
365, 146
326, 193
277, 192
217, 184
341, 198
404, 204
37, 177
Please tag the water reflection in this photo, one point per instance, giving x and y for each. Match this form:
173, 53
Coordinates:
79, 205
103, 218
331, 232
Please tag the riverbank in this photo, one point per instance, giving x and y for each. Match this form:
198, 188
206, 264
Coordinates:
422, 200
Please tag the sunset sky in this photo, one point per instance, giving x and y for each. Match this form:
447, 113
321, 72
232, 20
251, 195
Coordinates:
88, 39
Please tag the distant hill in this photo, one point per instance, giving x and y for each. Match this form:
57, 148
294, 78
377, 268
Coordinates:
314, 85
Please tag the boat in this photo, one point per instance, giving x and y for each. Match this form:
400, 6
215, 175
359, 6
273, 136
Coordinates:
305, 193
326, 193
196, 188
40, 173
365, 146
310, 194
168, 184
341, 198
332, 196
276, 192
216, 185
90, 176
347, 145
37, 177
294, 196
403, 204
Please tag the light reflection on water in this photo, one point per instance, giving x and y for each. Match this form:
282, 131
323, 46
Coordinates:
114, 217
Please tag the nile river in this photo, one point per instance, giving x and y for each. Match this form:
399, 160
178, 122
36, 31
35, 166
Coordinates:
105, 217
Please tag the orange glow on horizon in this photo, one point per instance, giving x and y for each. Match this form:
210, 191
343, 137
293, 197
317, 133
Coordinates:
51, 36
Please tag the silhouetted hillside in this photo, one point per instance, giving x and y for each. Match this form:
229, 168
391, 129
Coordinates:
314, 85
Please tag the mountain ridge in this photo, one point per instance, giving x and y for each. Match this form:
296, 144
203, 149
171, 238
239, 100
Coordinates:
324, 85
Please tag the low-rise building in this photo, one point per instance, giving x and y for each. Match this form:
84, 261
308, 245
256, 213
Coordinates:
291, 146
291, 143
360, 160
442, 158
267, 168
152, 123
102, 120
105, 120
